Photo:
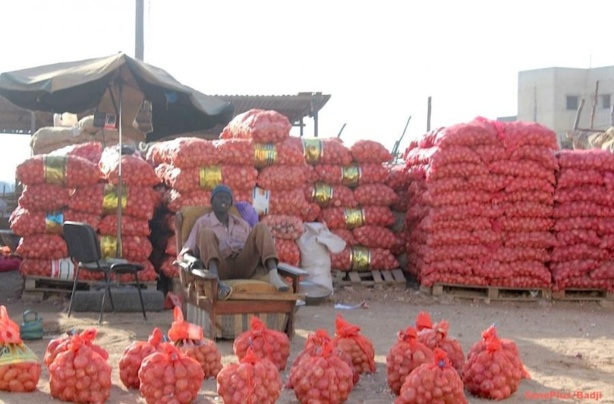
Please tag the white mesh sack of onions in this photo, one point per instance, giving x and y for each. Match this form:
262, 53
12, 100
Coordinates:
493, 368
437, 336
170, 376
133, 356
404, 356
313, 346
436, 382
254, 380
264, 342
323, 377
189, 339
360, 348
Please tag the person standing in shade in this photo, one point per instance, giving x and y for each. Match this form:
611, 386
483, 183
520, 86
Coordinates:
229, 247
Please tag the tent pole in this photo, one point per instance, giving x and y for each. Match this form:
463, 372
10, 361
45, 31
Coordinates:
118, 246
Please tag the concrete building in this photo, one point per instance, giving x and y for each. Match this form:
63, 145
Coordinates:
551, 97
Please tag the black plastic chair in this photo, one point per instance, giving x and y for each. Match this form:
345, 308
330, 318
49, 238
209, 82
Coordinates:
84, 250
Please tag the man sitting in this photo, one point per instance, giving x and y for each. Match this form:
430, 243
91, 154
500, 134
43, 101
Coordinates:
229, 247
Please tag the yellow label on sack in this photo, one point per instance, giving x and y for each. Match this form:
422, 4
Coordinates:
110, 247
16, 353
353, 218
210, 176
54, 170
53, 222
265, 154
350, 176
110, 198
313, 150
322, 193
361, 258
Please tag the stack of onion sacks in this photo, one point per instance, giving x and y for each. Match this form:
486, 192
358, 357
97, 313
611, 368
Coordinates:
190, 340
436, 336
170, 376
360, 348
265, 343
493, 368
323, 377
79, 373
313, 345
20, 368
133, 355
254, 380
433, 382
404, 356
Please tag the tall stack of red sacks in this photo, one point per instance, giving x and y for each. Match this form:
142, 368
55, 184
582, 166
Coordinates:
50, 182
482, 196
584, 221
364, 219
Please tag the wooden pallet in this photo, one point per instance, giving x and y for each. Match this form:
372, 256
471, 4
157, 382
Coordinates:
41, 284
487, 292
395, 277
582, 295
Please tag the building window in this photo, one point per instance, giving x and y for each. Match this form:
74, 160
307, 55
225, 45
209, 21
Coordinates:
572, 102
606, 102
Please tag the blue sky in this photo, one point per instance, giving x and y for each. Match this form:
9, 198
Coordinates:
380, 60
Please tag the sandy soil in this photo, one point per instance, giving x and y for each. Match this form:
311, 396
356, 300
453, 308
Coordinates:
568, 347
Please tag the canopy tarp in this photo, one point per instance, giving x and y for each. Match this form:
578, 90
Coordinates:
81, 86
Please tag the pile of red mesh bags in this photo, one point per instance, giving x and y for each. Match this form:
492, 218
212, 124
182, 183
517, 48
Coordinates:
480, 204
584, 215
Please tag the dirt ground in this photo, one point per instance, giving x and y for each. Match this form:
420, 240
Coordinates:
568, 347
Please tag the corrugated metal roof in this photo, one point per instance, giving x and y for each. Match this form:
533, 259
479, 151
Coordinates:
18, 120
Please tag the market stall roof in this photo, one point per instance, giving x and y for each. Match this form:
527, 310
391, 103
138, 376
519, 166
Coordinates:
14, 119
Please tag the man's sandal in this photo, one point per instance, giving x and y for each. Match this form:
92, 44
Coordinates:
223, 291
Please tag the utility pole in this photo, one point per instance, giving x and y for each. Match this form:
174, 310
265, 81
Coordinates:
139, 46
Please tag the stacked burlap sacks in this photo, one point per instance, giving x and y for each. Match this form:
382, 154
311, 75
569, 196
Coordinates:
47, 139
481, 202
355, 201
584, 221
49, 183
138, 201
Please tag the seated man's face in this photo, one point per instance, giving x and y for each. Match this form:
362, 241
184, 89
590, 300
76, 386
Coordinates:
221, 202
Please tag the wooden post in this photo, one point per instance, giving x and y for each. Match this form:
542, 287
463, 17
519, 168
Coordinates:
428, 115
595, 101
576, 122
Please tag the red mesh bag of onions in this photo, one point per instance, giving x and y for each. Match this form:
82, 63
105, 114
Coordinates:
170, 376
436, 336
133, 355
313, 346
493, 369
79, 373
436, 382
349, 339
188, 338
404, 356
265, 343
254, 380
323, 377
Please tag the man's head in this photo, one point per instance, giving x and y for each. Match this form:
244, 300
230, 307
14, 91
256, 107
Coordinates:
221, 198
